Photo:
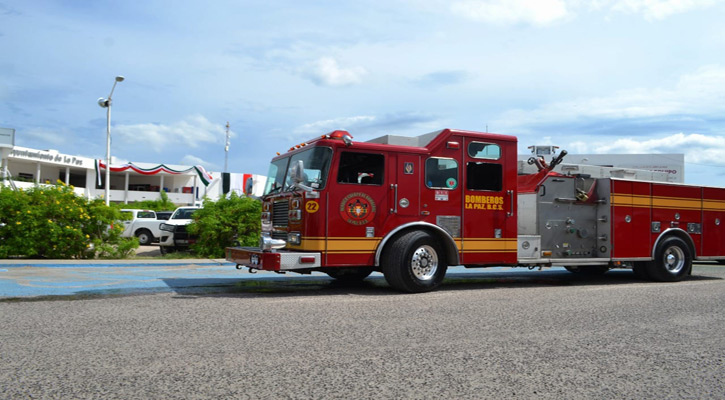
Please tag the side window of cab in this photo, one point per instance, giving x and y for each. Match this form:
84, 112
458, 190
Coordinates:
441, 173
361, 168
484, 175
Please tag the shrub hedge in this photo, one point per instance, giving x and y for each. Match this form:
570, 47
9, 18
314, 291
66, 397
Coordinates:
231, 221
53, 222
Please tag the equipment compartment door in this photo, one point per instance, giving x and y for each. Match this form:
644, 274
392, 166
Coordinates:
489, 202
631, 219
713, 222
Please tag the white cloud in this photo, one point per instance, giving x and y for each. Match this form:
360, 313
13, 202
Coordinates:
327, 72
697, 148
191, 132
659, 9
42, 136
193, 160
504, 12
547, 12
329, 125
700, 93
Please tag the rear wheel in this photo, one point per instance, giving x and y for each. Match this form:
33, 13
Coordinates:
673, 261
144, 237
414, 262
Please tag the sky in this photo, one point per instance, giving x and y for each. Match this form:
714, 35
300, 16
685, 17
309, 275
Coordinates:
598, 76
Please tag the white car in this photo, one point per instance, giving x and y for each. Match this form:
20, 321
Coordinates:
173, 231
143, 224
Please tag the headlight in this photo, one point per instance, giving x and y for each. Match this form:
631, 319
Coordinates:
167, 227
294, 238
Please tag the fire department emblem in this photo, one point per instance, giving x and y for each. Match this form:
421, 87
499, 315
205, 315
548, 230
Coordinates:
357, 208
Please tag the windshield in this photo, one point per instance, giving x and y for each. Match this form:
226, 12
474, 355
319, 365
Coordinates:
184, 213
316, 162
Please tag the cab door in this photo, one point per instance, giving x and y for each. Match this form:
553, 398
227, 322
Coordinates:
357, 206
489, 202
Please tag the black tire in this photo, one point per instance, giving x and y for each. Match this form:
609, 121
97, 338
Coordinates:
349, 275
167, 249
640, 270
673, 261
144, 237
592, 270
414, 262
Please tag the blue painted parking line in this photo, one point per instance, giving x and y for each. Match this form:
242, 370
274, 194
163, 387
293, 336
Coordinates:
66, 279
116, 265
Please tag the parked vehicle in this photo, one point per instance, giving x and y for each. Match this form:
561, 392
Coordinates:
173, 232
143, 224
411, 207
163, 215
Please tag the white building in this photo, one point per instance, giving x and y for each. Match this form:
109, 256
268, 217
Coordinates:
184, 185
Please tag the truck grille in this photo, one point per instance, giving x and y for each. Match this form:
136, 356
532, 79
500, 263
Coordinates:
180, 232
282, 235
280, 213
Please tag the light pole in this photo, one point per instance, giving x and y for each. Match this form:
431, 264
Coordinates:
106, 103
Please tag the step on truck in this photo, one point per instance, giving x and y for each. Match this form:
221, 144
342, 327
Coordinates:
410, 207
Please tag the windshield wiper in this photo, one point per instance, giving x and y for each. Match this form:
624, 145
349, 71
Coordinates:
273, 191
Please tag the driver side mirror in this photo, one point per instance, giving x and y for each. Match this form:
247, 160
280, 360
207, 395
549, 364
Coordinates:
297, 172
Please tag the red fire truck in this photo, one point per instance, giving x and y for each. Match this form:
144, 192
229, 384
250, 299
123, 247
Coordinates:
412, 206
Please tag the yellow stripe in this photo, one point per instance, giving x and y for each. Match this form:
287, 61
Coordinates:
674, 203
713, 205
339, 245
490, 245
489, 252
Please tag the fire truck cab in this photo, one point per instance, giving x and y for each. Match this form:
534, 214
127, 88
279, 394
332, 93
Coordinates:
412, 206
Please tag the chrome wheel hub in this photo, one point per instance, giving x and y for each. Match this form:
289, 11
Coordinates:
424, 263
674, 259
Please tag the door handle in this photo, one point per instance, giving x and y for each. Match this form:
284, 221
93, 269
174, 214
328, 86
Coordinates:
394, 188
510, 213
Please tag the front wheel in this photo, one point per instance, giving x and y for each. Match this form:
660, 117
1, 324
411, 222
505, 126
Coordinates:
414, 263
167, 249
673, 261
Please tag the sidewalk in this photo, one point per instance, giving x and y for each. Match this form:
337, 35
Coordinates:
143, 251
131, 262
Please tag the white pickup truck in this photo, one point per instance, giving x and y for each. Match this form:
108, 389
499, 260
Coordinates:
143, 224
173, 232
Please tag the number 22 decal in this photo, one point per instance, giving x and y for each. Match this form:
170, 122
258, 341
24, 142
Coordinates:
312, 207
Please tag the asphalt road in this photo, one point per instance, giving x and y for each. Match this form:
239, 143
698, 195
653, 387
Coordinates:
491, 335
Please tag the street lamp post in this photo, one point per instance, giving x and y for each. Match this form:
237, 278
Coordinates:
106, 103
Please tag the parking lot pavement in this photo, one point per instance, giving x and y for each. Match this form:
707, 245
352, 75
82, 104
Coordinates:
36, 278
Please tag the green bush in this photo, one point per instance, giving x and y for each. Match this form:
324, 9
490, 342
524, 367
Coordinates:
53, 222
226, 222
